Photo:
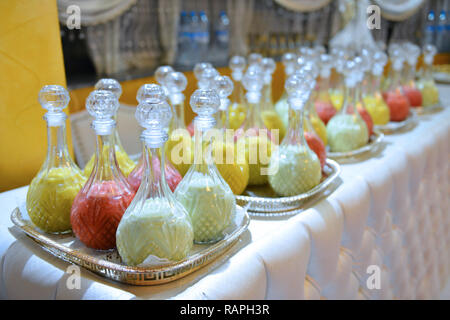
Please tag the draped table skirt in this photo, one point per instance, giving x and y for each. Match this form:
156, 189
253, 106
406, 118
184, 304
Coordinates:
383, 234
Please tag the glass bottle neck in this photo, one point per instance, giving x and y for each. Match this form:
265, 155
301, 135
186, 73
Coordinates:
106, 166
427, 71
351, 99
203, 144
322, 89
57, 150
237, 96
295, 135
267, 97
177, 121
154, 174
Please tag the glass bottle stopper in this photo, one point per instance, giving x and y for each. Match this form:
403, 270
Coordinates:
412, 53
176, 83
254, 58
161, 74
351, 73
253, 82
429, 51
54, 98
289, 60
224, 87
205, 103
379, 60
200, 67
102, 105
299, 89
110, 85
237, 65
268, 67
206, 78
326, 64
150, 93
397, 58
154, 117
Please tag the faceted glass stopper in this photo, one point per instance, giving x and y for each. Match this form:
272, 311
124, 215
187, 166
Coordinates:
161, 74
298, 89
308, 66
224, 86
306, 74
253, 79
289, 58
397, 57
176, 82
200, 67
206, 78
150, 93
109, 85
326, 63
429, 51
351, 72
268, 65
205, 102
153, 115
412, 53
237, 63
102, 104
254, 58
54, 98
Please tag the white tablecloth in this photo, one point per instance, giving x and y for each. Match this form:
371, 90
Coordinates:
391, 213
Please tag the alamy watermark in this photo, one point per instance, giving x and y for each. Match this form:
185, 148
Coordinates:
73, 20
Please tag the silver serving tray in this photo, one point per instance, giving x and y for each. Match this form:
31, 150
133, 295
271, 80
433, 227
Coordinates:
374, 144
398, 126
263, 201
108, 263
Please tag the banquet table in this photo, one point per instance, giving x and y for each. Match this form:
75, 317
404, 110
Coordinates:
384, 233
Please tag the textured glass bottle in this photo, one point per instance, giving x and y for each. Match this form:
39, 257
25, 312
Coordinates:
124, 161
258, 139
238, 108
322, 100
347, 131
289, 60
203, 192
179, 148
270, 117
155, 228
373, 98
53, 189
426, 84
294, 168
100, 204
152, 93
394, 96
412, 53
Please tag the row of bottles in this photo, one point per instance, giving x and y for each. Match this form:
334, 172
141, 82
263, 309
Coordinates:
195, 42
437, 30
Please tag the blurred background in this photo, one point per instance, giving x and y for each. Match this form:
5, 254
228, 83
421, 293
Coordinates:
128, 39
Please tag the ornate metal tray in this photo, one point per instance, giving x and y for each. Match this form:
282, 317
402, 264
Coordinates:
263, 201
108, 263
375, 141
393, 126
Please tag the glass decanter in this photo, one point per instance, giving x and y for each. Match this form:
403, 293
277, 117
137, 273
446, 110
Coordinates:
205, 74
148, 94
294, 168
289, 60
270, 117
53, 189
426, 84
179, 147
124, 161
322, 100
394, 96
253, 133
155, 229
412, 53
347, 131
337, 89
238, 108
373, 99
100, 204
235, 173
203, 192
